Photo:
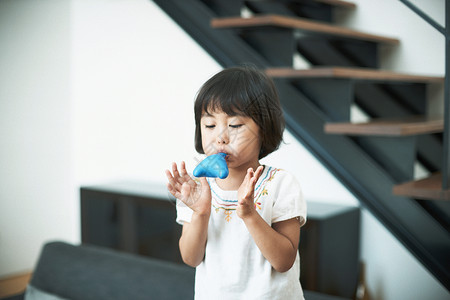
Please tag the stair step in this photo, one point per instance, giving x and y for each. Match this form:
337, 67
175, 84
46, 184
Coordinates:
351, 73
429, 188
301, 24
389, 127
319, 10
339, 3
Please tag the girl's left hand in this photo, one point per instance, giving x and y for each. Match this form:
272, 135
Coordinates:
246, 204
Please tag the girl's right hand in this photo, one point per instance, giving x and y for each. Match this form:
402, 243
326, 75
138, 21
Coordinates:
197, 196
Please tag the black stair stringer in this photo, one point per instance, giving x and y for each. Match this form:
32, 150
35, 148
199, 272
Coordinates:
417, 230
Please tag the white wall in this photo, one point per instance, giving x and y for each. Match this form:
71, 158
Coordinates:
135, 74
128, 114
421, 50
36, 200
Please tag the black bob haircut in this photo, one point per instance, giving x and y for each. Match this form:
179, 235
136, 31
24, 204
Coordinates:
243, 91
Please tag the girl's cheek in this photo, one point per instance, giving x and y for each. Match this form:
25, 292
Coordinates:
208, 146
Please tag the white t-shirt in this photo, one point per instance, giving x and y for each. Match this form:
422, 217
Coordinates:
233, 267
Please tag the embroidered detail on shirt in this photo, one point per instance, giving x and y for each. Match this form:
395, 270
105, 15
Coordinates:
261, 188
229, 206
228, 215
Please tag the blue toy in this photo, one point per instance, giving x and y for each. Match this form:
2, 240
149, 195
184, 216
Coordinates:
212, 166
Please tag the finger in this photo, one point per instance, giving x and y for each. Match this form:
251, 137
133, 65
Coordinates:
249, 190
170, 177
253, 184
175, 172
248, 175
185, 175
260, 169
204, 182
170, 189
183, 171
247, 181
173, 191
252, 181
174, 183
185, 192
168, 174
179, 175
258, 172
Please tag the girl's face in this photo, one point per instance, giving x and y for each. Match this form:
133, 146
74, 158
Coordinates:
237, 136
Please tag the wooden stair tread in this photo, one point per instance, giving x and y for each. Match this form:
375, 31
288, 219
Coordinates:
429, 188
389, 127
299, 23
338, 3
351, 73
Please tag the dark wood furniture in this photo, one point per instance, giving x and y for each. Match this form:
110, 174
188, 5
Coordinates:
329, 249
130, 216
140, 218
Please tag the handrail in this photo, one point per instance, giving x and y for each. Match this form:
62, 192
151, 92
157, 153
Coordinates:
424, 16
446, 32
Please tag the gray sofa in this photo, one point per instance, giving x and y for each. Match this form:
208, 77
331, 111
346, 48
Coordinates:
88, 272
85, 272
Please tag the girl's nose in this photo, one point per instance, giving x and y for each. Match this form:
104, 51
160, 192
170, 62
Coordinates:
223, 137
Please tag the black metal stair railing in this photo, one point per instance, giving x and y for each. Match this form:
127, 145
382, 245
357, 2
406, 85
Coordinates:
421, 231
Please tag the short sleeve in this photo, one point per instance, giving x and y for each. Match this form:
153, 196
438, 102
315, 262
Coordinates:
288, 202
184, 213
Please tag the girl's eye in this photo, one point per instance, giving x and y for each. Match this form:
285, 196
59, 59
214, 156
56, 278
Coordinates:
236, 126
210, 126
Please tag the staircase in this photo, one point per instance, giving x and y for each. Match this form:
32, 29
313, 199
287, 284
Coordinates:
376, 157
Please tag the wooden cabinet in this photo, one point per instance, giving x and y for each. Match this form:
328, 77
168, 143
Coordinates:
329, 249
140, 218
131, 216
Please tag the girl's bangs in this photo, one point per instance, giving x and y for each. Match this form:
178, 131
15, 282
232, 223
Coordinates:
228, 105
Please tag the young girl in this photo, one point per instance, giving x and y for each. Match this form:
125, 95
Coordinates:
242, 232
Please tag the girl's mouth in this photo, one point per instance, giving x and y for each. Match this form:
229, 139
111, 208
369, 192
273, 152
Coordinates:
227, 156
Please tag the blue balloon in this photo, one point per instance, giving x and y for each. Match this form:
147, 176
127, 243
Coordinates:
212, 166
